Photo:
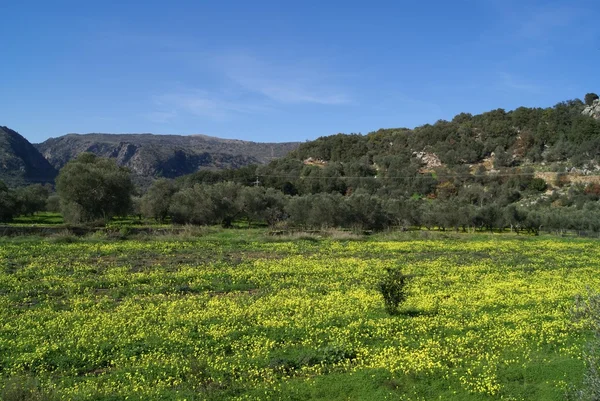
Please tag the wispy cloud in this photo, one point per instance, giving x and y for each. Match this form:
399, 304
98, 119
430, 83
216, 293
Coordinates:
511, 82
201, 103
245, 84
282, 83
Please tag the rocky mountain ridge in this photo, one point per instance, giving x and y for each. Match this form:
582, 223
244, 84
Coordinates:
170, 156
21, 162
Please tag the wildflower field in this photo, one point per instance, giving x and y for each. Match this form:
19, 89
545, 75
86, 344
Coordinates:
236, 315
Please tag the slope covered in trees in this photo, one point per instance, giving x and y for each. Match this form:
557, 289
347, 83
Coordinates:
495, 170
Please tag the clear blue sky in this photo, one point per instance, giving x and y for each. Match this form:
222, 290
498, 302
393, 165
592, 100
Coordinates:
285, 70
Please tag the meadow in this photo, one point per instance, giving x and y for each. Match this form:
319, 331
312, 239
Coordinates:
236, 314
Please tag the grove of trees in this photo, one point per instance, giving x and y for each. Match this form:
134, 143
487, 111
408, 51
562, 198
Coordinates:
22, 201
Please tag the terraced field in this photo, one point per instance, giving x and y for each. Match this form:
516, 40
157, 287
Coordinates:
236, 315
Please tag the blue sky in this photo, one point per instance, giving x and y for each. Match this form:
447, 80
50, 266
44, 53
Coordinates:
285, 71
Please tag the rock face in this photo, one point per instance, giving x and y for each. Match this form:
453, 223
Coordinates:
593, 110
168, 156
20, 162
431, 160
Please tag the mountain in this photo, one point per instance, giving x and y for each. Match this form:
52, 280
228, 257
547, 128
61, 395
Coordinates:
20, 162
170, 156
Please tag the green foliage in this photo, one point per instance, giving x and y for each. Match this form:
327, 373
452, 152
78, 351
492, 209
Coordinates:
32, 198
53, 203
8, 203
393, 289
156, 201
589, 98
93, 188
192, 206
537, 184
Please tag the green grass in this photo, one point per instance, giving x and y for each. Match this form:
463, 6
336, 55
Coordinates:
239, 314
39, 218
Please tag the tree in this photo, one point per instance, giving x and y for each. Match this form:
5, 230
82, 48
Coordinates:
7, 203
225, 196
365, 211
590, 97
393, 289
258, 203
252, 203
93, 188
192, 206
156, 201
501, 158
32, 198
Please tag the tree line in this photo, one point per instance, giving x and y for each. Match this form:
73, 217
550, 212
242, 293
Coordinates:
94, 189
369, 182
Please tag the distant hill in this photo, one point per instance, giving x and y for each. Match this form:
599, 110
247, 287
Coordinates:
168, 156
563, 138
20, 162
563, 133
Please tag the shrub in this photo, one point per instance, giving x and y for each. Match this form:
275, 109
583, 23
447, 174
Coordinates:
589, 98
537, 184
393, 289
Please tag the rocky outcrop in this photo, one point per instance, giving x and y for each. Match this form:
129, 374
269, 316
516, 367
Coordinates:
20, 162
593, 110
431, 160
148, 155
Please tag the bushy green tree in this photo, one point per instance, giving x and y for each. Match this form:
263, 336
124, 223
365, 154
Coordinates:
589, 98
298, 210
32, 198
225, 196
393, 289
93, 188
192, 206
207, 204
156, 201
365, 211
262, 204
8, 203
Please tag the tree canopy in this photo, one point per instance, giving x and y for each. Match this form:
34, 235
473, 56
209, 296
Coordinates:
589, 98
93, 188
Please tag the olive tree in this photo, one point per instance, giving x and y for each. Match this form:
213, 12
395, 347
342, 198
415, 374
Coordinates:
93, 188
156, 202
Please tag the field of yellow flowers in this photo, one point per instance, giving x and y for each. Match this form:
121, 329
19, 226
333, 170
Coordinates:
242, 317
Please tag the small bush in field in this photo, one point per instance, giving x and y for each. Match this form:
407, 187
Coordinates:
393, 290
